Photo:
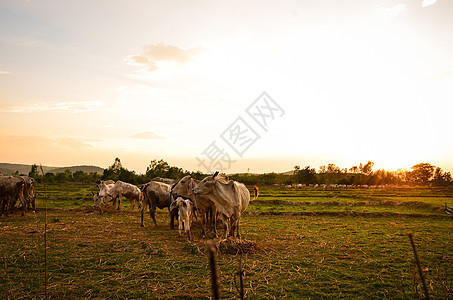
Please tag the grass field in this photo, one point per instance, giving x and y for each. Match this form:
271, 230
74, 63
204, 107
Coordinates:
311, 244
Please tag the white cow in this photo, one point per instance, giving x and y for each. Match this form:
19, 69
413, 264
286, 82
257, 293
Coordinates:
119, 189
104, 187
185, 214
231, 199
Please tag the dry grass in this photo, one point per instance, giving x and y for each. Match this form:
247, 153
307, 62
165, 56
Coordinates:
109, 256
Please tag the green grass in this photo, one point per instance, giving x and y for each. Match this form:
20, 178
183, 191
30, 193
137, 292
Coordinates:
320, 251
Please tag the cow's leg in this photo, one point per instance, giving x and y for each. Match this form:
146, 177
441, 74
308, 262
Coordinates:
6, 204
132, 204
225, 221
173, 216
187, 227
142, 224
119, 201
180, 224
2, 202
145, 202
226, 228
203, 224
214, 214
11, 203
232, 227
23, 203
33, 202
152, 212
208, 219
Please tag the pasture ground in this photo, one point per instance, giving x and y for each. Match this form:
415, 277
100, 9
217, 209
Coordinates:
311, 244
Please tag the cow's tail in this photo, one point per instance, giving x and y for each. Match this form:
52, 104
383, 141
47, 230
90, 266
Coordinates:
257, 192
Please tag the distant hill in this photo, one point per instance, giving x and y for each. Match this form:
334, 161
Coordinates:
86, 169
8, 169
288, 173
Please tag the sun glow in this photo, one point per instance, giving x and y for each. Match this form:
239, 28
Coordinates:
358, 83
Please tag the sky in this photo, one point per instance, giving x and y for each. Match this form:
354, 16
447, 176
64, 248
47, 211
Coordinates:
344, 82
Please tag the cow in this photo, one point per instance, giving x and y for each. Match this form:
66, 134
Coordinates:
185, 214
104, 187
202, 205
11, 190
156, 194
29, 192
231, 199
119, 189
97, 200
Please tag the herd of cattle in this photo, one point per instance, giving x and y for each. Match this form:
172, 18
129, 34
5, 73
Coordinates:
187, 198
213, 197
16, 189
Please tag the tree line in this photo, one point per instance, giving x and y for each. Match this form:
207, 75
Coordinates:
363, 174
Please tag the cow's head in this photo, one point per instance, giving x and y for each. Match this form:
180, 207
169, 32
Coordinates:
103, 189
207, 185
183, 187
97, 200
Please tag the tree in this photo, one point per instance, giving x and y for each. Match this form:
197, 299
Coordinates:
441, 178
332, 168
354, 170
422, 173
34, 171
117, 166
79, 176
307, 175
157, 169
367, 168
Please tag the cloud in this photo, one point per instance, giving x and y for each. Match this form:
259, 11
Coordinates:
444, 75
147, 135
390, 12
428, 2
160, 52
48, 143
73, 142
29, 42
73, 107
30, 141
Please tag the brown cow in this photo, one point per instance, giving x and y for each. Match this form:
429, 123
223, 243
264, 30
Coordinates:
156, 194
11, 190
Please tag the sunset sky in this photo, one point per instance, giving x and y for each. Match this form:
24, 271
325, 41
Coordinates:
83, 82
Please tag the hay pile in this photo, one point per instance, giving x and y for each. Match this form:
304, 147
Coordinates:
91, 209
236, 246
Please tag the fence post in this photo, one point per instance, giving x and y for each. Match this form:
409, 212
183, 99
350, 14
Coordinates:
214, 275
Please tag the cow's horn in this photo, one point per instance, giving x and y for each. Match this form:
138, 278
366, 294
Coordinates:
215, 174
